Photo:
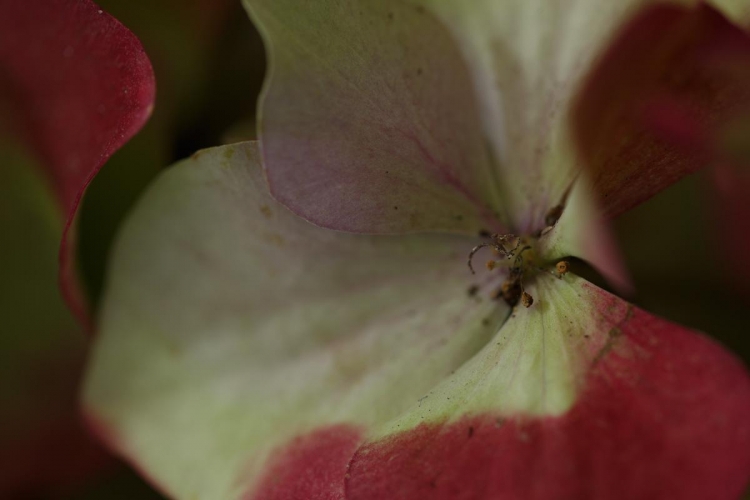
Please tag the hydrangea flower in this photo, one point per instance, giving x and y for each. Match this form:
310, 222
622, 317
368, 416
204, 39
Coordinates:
311, 330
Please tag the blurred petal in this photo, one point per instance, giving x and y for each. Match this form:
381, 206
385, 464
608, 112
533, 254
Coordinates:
74, 85
368, 121
45, 450
231, 325
650, 102
731, 199
81, 86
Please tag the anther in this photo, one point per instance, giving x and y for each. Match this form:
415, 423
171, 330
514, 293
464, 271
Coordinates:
498, 246
526, 299
491, 264
511, 290
473, 251
562, 268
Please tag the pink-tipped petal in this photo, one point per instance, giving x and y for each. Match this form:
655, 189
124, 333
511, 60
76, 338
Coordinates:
230, 326
233, 330
661, 414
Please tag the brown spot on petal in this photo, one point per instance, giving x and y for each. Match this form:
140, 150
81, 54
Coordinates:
612, 337
275, 239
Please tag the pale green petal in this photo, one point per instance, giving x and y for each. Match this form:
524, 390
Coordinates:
529, 58
582, 232
535, 365
231, 325
737, 11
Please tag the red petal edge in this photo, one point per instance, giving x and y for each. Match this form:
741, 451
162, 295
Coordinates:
81, 85
663, 416
311, 466
665, 83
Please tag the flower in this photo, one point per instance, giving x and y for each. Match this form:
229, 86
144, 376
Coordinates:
247, 353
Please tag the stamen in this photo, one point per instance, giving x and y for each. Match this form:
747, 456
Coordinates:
518, 243
498, 247
512, 290
562, 268
473, 251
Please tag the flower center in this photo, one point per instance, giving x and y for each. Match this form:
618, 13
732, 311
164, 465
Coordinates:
516, 255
